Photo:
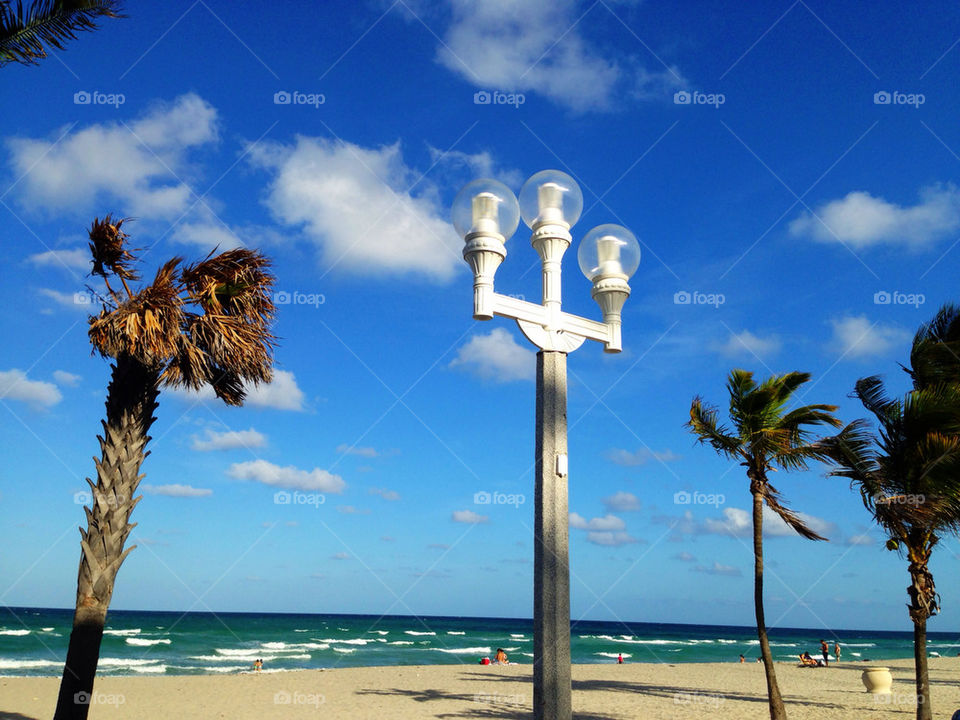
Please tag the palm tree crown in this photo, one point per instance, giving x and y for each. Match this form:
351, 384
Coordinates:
765, 435
206, 323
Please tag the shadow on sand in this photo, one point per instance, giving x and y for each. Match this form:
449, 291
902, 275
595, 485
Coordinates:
509, 711
15, 716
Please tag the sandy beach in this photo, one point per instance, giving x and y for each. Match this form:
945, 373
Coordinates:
600, 692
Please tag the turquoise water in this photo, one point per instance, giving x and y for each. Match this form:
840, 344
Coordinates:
34, 642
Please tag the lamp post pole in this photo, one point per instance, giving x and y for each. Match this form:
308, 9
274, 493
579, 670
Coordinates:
485, 213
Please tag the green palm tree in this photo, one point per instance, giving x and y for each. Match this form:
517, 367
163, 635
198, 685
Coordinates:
203, 324
908, 475
24, 31
765, 436
935, 354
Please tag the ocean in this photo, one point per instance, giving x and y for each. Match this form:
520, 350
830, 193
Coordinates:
34, 641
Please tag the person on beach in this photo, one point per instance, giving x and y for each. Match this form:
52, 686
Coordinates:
619, 658
742, 659
825, 650
501, 657
257, 664
836, 651
807, 661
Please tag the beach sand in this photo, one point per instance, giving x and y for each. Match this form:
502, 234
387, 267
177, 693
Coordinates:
600, 692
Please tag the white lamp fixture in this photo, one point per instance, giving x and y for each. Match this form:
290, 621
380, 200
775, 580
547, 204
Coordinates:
485, 213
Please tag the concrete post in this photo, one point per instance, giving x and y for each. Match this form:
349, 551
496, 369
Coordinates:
551, 578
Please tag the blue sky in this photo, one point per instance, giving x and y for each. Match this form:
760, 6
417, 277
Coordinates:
790, 171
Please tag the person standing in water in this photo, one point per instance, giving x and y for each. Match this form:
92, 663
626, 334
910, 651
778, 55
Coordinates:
825, 650
619, 658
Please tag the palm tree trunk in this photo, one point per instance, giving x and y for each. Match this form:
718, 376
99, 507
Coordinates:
777, 710
924, 712
131, 400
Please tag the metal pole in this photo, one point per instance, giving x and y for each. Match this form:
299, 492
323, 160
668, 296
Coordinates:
551, 578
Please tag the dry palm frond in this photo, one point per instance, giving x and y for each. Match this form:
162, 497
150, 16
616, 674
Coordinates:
236, 282
107, 246
147, 326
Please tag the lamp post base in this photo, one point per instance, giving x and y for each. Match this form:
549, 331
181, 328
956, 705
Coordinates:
551, 579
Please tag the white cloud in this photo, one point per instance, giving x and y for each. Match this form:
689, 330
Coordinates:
496, 356
862, 539
391, 495
229, 440
610, 539
639, 457
287, 477
454, 168
281, 393
511, 45
745, 343
861, 220
351, 510
738, 522
107, 163
718, 569
469, 517
80, 301
354, 205
65, 378
606, 523
622, 502
78, 259
854, 336
14, 385
206, 236
367, 452
684, 557
176, 490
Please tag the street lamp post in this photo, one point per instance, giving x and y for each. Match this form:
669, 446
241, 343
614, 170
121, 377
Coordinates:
485, 213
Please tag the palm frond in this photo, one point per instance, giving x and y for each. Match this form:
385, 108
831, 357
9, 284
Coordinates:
108, 249
25, 31
147, 325
704, 423
935, 353
771, 496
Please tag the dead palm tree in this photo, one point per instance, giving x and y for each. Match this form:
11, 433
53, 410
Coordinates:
908, 476
765, 436
24, 31
204, 324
